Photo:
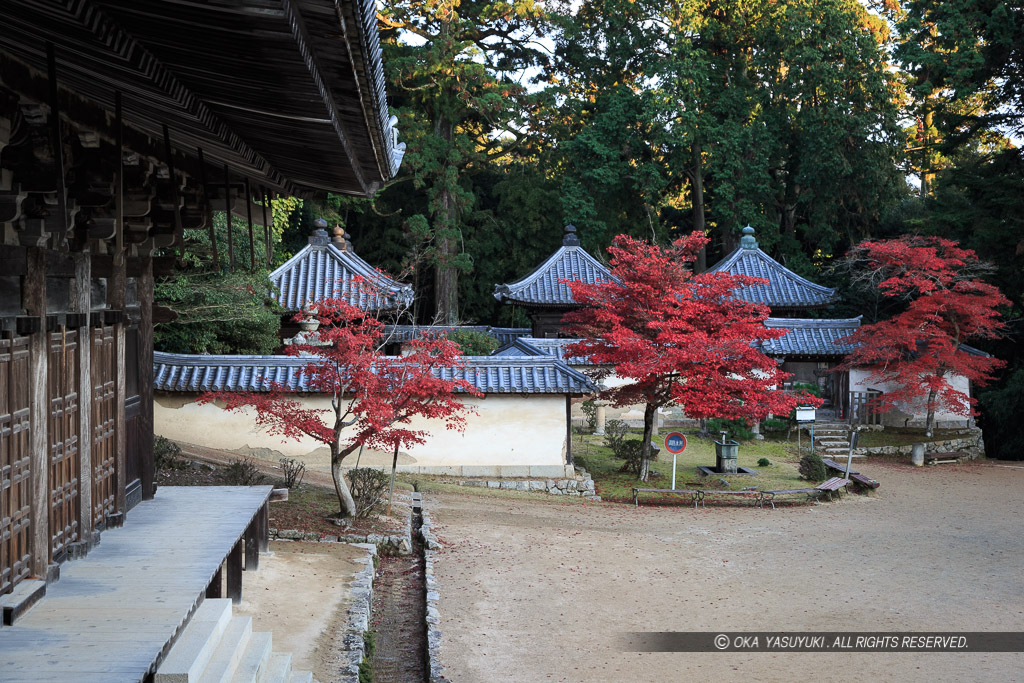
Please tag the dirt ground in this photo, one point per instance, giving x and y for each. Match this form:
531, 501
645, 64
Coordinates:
300, 594
541, 591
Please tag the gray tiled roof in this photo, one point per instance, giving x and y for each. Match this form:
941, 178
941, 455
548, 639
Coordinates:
537, 346
320, 271
808, 337
504, 335
196, 373
785, 288
542, 286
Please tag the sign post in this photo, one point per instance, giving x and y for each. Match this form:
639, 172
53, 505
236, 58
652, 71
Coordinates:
675, 443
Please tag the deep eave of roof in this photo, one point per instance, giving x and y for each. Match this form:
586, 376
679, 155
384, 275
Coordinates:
490, 375
811, 337
785, 289
289, 93
320, 270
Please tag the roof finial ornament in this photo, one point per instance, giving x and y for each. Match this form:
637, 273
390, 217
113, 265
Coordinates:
319, 237
570, 239
748, 241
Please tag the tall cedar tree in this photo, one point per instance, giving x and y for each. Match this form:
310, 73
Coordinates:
680, 338
921, 348
373, 397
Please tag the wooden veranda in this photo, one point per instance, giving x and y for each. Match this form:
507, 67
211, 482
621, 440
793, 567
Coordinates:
113, 615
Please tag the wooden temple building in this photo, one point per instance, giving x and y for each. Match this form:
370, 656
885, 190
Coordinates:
543, 295
121, 125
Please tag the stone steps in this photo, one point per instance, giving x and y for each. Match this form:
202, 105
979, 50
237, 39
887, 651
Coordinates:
217, 647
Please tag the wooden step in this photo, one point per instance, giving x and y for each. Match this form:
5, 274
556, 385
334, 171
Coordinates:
229, 651
278, 669
254, 659
21, 599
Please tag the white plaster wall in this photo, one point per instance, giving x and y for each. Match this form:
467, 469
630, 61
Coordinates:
521, 435
914, 412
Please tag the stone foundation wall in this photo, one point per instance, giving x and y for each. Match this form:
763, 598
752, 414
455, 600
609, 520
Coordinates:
582, 485
969, 447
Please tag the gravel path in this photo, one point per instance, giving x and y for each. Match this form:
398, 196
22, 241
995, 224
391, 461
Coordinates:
539, 591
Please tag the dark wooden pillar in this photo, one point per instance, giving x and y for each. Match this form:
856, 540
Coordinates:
117, 299
34, 302
252, 545
216, 587
235, 573
145, 445
82, 303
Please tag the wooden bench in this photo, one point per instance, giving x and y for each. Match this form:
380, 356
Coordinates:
743, 492
769, 496
941, 458
856, 476
695, 495
833, 485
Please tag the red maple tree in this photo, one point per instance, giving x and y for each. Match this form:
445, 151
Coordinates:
680, 338
921, 348
373, 396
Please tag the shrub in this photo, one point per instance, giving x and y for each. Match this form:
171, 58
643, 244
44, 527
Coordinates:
473, 343
737, 429
812, 468
369, 489
366, 665
590, 411
764, 462
167, 455
773, 425
615, 432
631, 452
243, 472
293, 471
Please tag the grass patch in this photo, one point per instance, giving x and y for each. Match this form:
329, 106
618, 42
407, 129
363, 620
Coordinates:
591, 453
904, 436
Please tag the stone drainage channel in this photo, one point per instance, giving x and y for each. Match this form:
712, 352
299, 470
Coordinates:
404, 616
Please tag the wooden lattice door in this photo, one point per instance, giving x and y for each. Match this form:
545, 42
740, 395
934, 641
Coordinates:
62, 371
15, 473
104, 424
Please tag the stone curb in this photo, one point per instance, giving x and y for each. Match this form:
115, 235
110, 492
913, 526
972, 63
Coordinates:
359, 616
430, 545
582, 485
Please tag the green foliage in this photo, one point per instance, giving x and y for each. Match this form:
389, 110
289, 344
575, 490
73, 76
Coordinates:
737, 429
631, 451
473, 343
369, 489
167, 455
772, 425
369, 648
589, 409
615, 432
812, 468
764, 462
218, 313
1002, 407
808, 387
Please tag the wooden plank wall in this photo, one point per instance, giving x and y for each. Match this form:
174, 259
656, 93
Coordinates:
15, 457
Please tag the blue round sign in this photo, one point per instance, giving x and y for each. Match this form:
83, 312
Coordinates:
675, 442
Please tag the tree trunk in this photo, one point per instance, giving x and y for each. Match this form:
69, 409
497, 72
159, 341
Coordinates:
699, 221
650, 412
391, 490
446, 276
345, 501
929, 425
